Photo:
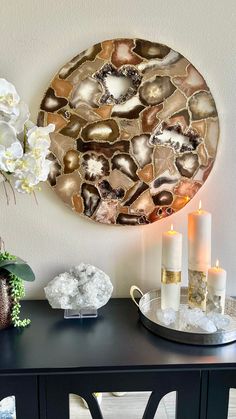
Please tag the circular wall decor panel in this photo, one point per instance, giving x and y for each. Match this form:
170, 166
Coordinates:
136, 131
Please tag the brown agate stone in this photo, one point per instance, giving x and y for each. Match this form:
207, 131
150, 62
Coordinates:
51, 102
71, 161
136, 132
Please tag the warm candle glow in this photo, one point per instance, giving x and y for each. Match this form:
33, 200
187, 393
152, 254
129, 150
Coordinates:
171, 231
200, 205
217, 264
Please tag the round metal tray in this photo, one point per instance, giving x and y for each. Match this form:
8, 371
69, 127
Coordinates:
150, 302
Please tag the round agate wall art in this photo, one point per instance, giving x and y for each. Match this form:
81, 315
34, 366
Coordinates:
136, 131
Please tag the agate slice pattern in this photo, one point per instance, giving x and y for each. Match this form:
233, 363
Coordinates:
136, 132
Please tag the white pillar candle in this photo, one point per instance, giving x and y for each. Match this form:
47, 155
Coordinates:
199, 240
199, 256
216, 286
171, 269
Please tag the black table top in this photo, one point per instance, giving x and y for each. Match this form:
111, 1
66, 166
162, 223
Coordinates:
114, 340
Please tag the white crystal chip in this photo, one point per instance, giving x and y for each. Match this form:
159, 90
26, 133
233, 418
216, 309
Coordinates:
221, 321
207, 325
189, 317
166, 316
83, 286
193, 319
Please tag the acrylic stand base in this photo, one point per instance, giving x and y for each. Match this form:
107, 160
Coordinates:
83, 313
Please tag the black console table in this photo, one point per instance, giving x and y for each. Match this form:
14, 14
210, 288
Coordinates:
52, 358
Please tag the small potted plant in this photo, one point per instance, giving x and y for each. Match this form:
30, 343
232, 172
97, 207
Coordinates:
13, 271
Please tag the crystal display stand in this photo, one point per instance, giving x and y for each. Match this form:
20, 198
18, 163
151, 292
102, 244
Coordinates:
83, 313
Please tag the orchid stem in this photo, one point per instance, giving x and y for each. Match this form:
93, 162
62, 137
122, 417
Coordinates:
6, 180
6, 193
24, 141
35, 197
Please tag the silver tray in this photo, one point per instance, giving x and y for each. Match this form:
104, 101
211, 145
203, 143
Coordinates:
150, 302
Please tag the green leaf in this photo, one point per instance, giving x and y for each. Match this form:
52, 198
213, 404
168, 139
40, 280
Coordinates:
22, 270
11, 261
5, 263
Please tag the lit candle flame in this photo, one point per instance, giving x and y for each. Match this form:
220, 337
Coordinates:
200, 205
217, 264
171, 227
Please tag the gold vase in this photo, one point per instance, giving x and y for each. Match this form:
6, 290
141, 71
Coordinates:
5, 301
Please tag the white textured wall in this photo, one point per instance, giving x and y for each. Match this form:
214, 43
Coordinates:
37, 37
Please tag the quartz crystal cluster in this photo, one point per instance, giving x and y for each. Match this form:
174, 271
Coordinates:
7, 408
137, 117
83, 286
195, 319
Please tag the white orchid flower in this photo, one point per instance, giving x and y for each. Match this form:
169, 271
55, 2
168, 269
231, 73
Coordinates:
18, 118
9, 97
10, 148
30, 174
39, 136
27, 162
7, 135
26, 184
12, 109
39, 140
40, 132
37, 169
44, 169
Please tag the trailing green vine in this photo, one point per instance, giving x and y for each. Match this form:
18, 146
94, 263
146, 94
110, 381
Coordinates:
17, 291
6, 256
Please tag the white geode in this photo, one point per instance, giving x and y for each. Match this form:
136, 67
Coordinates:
83, 286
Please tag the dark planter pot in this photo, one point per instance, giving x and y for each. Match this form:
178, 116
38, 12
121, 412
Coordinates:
5, 301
